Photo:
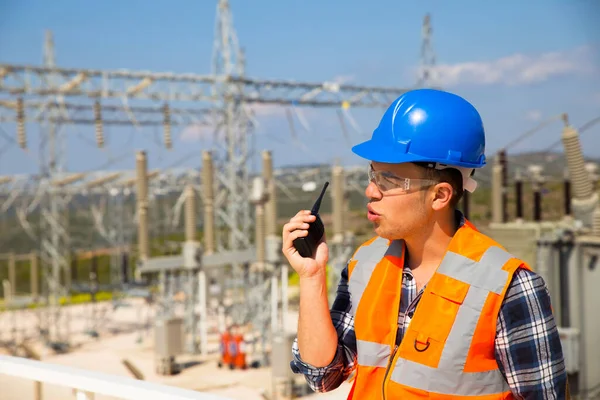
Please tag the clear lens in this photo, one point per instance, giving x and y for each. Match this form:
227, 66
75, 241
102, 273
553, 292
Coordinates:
386, 181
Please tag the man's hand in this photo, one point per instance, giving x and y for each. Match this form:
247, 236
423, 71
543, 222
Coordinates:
306, 267
317, 337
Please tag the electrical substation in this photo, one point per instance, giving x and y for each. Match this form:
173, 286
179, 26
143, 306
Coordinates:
219, 293
187, 297
564, 251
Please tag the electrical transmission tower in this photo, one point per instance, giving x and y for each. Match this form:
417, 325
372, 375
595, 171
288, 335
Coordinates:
231, 151
426, 77
231, 134
57, 96
54, 237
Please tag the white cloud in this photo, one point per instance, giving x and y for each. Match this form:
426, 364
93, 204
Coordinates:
195, 132
517, 69
533, 115
342, 79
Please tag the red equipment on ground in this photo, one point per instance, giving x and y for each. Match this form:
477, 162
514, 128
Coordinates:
226, 354
239, 359
233, 350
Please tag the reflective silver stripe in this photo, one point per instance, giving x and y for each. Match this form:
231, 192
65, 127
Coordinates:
367, 258
456, 349
435, 380
484, 277
486, 273
372, 354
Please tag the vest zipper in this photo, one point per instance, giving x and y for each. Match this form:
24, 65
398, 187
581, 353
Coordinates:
396, 346
387, 370
415, 300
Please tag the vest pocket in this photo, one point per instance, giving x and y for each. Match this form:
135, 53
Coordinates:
433, 320
438, 307
448, 288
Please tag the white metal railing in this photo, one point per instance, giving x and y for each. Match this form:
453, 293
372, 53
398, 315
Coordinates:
87, 383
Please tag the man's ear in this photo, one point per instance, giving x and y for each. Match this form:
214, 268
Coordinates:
442, 193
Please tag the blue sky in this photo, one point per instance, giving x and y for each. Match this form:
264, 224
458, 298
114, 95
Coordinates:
518, 62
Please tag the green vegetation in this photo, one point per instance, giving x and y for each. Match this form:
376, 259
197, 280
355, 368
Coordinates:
80, 298
14, 239
294, 279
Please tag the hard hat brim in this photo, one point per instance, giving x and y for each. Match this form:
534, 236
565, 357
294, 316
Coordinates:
374, 151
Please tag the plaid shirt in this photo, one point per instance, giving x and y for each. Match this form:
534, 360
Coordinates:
528, 348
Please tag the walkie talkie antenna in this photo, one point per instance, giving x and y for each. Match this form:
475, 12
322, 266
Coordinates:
317, 205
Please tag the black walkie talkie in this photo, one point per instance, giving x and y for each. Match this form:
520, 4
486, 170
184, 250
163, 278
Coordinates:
307, 245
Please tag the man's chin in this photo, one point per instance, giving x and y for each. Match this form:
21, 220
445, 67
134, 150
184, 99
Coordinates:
382, 233
378, 231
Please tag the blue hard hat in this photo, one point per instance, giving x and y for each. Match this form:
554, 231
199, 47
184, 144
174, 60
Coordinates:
427, 125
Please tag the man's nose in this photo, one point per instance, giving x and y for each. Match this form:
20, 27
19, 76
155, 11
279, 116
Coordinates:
372, 192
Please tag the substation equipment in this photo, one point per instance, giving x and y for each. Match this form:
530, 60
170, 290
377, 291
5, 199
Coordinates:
251, 273
564, 252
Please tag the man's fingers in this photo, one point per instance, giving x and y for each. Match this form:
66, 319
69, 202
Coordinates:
288, 245
294, 235
298, 222
293, 226
303, 218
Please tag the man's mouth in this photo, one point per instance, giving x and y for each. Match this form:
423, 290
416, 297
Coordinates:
372, 215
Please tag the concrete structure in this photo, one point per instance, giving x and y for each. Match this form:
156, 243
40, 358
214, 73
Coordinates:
565, 253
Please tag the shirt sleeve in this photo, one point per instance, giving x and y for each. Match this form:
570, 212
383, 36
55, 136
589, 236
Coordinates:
330, 377
528, 347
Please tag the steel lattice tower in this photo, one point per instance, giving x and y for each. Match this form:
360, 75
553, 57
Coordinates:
54, 237
57, 96
230, 150
426, 77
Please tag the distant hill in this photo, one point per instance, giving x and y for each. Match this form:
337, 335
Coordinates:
554, 165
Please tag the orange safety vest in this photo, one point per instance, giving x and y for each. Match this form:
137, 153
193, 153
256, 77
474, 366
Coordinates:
448, 349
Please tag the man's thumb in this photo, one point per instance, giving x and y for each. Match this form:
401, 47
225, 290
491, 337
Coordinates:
322, 253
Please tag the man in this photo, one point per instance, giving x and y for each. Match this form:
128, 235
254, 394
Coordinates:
429, 307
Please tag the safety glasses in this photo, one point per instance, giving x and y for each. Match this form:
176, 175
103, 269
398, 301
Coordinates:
386, 181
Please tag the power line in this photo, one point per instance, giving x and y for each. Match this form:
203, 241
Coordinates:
57, 97
581, 129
